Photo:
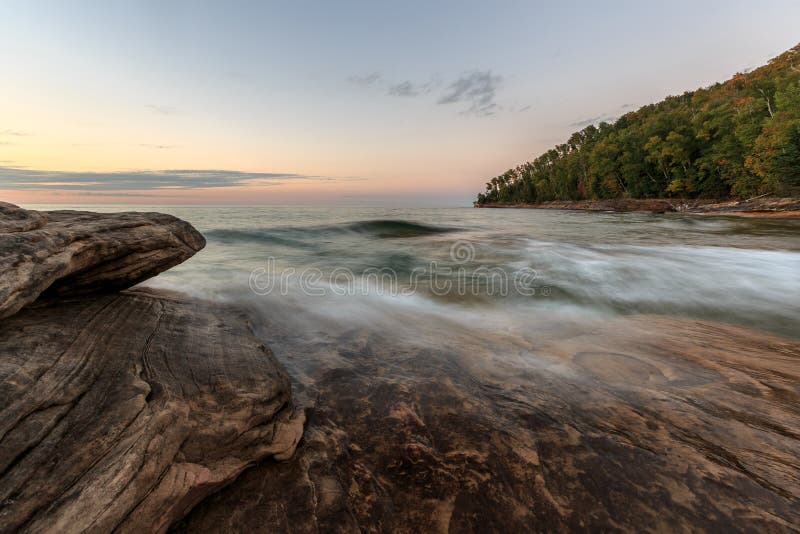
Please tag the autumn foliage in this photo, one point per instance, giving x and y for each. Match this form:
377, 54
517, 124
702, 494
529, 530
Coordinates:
734, 139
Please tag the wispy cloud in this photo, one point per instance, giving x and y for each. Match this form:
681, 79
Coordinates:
158, 147
365, 80
113, 194
476, 88
15, 133
583, 123
605, 117
178, 179
408, 89
162, 110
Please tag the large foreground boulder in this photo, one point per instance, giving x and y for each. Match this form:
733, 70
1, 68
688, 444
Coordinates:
73, 252
121, 412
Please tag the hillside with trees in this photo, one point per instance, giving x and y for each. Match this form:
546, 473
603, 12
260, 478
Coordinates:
735, 139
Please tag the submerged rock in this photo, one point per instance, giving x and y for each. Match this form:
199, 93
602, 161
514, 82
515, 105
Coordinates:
74, 252
121, 412
625, 425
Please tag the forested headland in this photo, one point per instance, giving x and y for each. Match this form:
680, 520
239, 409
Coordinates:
732, 140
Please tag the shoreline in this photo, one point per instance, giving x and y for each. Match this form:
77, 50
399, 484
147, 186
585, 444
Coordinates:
765, 207
204, 413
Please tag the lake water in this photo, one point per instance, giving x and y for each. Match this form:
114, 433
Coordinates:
484, 284
423, 270
566, 369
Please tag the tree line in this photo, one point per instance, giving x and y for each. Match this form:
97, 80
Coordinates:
735, 139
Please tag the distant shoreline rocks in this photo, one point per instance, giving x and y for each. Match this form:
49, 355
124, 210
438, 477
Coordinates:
760, 207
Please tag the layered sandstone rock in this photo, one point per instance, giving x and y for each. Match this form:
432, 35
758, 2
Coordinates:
625, 425
121, 411
72, 252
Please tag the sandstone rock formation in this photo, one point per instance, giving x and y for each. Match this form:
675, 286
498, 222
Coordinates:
15, 219
120, 411
627, 425
141, 411
72, 252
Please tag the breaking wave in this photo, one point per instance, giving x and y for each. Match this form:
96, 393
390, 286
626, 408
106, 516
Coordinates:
307, 236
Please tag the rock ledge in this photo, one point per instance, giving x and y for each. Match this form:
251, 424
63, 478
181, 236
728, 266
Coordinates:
73, 252
121, 411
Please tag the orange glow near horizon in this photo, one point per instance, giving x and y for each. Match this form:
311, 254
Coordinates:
356, 106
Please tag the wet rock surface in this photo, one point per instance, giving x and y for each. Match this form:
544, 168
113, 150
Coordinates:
120, 412
633, 424
144, 410
73, 252
762, 206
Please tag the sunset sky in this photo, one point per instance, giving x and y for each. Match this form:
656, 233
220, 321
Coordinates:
402, 103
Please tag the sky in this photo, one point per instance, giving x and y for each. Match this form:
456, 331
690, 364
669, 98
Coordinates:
341, 103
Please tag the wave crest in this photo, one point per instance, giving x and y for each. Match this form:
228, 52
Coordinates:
305, 236
396, 228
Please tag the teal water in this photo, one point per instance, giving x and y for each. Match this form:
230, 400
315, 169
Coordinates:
430, 269
425, 379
